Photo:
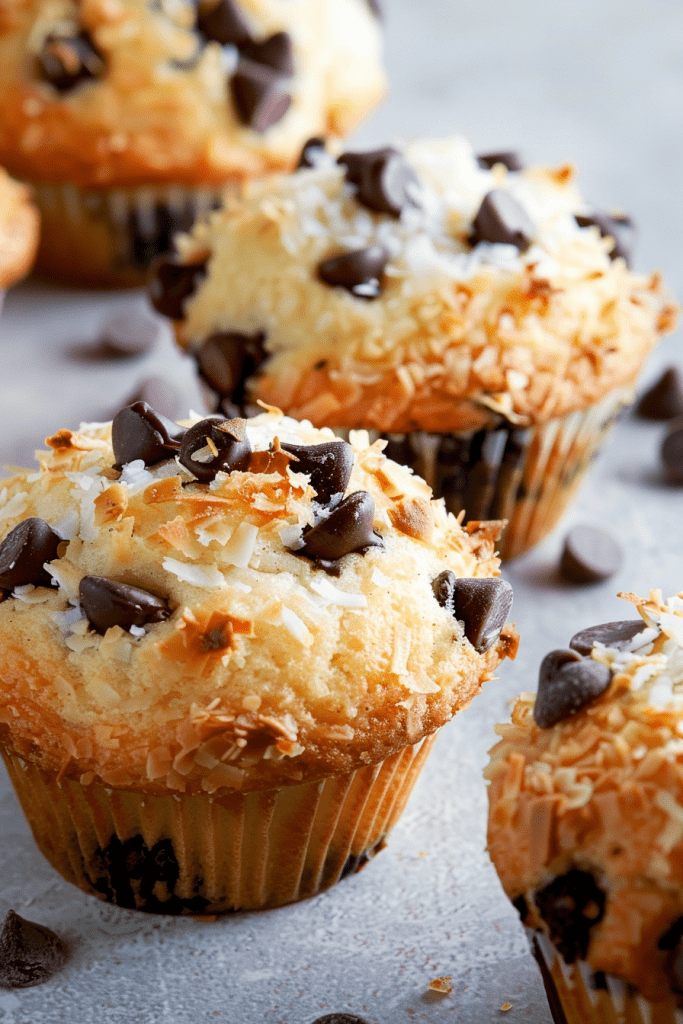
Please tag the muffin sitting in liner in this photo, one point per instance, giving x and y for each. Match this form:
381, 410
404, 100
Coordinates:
586, 818
225, 650
19, 223
130, 117
476, 312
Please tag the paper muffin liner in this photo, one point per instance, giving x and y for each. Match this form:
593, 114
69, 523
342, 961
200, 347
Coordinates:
577, 995
110, 238
212, 854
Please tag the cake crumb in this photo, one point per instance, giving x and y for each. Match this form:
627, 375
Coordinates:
442, 984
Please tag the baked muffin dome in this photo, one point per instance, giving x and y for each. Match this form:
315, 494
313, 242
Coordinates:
18, 230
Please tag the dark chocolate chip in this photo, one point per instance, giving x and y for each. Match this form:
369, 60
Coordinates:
329, 466
384, 180
276, 52
215, 446
29, 953
65, 62
340, 1018
522, 907
664, 400
444, 589
590, 555
171, 283
223, 22
508, 158
566, 683
132, 874
500, 218
226, 361
129, 332
359, 272
107, 603
160, 394
347, 529
672, 451
138, 432
24, 551
619, 228
314, 146
258, 96
571, 905
483, 605
612, 634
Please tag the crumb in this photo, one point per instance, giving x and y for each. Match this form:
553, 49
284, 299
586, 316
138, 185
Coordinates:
506, 1006
442, 984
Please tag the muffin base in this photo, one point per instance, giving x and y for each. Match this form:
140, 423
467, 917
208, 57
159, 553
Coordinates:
213, 854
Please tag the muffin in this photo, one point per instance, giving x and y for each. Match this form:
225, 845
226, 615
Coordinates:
130, 117
226, 648
482, 319
586, 818
18, 232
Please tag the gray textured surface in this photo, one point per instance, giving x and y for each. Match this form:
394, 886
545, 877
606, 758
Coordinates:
600, 83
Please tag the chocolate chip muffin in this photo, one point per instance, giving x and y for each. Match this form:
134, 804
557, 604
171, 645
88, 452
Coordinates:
226, 647
475, 312
130, 118
586, 818
19, 223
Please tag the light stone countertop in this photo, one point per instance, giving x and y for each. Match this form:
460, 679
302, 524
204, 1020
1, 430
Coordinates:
596, 82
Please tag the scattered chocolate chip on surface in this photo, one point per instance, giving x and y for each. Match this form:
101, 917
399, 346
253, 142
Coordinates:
139, 432
612, 634
620, 228
501, 219
221, 21
359, 272
347, 529
571, 905
590, 555
384, 180
340, 1018
483, 605
672, 451
171, 283
215, 446
65, 62
160, 394
664, 400
107, 603
312, 148
275, 52
130, 332
566, 683
443, 587
23, 553
258, 95
508, 158
328, 465
227, 359
29, 953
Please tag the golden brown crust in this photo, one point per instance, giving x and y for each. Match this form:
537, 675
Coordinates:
19, 224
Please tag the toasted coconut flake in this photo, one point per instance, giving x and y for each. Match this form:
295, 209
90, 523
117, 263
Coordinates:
68, 440
206, 577
294, 625
333, 595
442, 984
239, 549
413, 516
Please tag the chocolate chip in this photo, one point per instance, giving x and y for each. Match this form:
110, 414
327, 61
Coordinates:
444, 589
132, 874
227, 359
483, 605
347, 529
340, 1018
664, 400
258, 96
500, 218
23, 553
571, 905
672, 451
276, 52
384, 180
359, 271
612, 634
138, 432
619, 228
223, 23
215, 446
160, 394
171, 283
329, 466
508, 158
312, 148
522, 907
29, 953
65, 62
566, 683
590, 555
672, 942
107, 603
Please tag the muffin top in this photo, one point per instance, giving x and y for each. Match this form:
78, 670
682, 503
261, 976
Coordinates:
19, 225
124, 92
586, 798
421, 287
289, 606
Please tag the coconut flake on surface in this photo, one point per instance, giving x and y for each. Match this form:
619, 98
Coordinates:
30, 594
137, 631
206, 577
379, 579
135, 476
67, 618
15, 506
68, 526
218, 529
297, 627
333, 595
239, 549
290, 535
672, 626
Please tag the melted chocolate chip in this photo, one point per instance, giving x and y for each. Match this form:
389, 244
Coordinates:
328, 465
226, 361
340, 1018
65, 62
444, 589
171, 283
29, 953
384, 180
359, 271
664, 400
258, 96
107, 603
138, 432
612, 634
508, 158
223, 23
312, 147
347, 529
276, 52
483, 605
215, 446
500, 218
566, 683
24, 551
672, 451
619, 228
590, 555
571, 905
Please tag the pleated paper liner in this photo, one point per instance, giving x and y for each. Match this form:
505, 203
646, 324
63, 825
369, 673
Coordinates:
212, 854
110, 238
579, 996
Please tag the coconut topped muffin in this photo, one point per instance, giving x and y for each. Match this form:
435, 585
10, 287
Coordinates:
18, 230
126, 92
416, 287
586, 795
233, 603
